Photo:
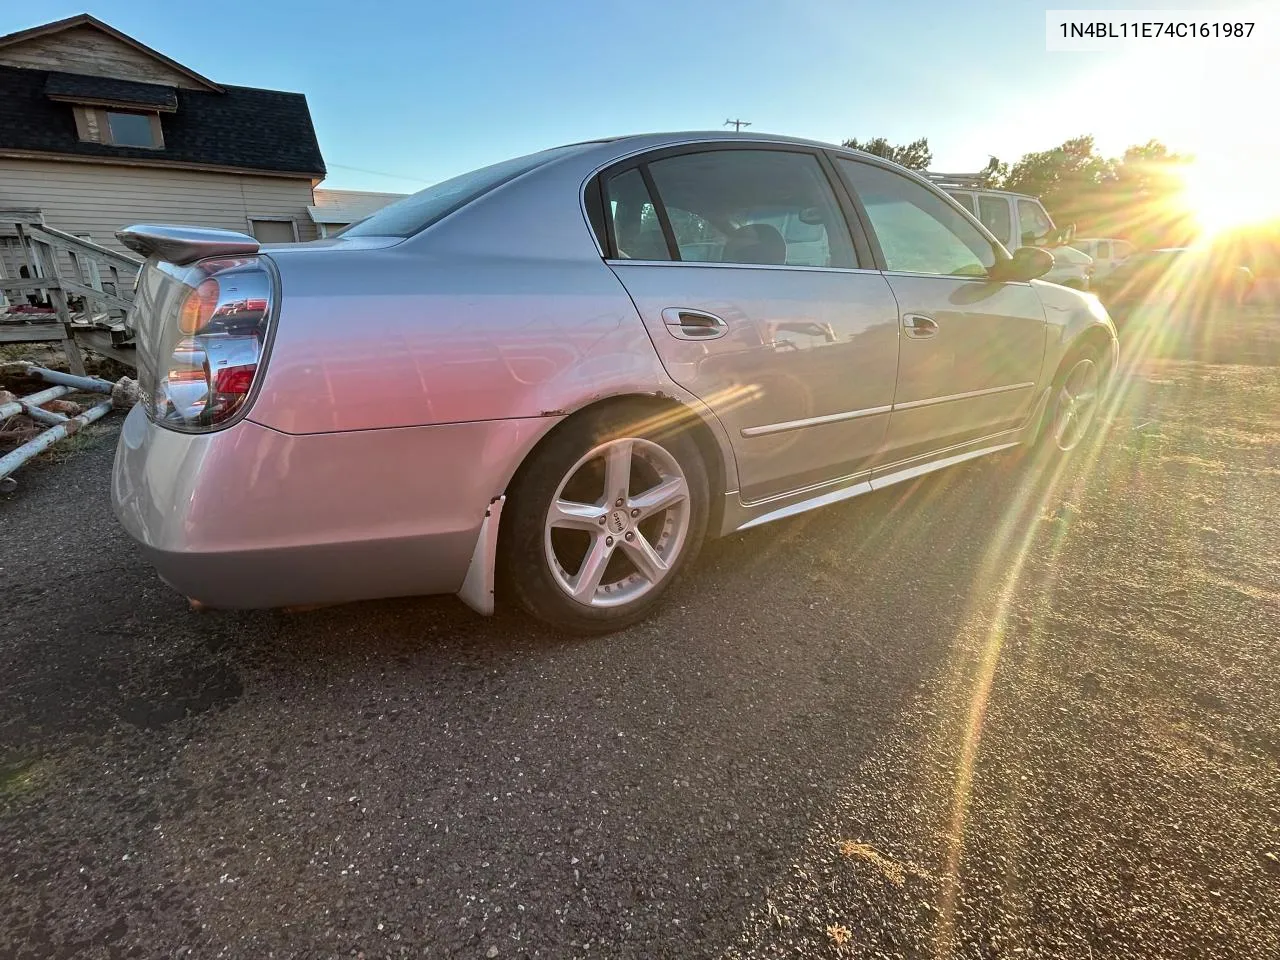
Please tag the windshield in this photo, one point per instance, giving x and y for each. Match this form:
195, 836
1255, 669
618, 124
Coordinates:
406, 217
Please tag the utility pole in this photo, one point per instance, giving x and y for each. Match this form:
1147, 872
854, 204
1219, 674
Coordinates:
737, 124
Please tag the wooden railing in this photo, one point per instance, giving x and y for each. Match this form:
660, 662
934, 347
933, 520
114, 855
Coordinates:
102, 278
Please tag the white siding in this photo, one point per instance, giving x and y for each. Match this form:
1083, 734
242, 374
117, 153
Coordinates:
99, 199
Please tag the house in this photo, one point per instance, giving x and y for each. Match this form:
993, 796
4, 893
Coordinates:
98, 131
335, 209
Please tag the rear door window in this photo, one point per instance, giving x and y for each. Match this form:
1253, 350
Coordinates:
637, 230
766, 207
994, 214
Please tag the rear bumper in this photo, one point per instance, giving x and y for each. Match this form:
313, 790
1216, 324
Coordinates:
252, 517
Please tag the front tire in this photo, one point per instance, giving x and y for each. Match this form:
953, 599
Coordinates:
1073, 405
603, 520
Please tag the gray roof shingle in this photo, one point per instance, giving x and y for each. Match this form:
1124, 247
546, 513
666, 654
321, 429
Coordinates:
243, 127
74, 86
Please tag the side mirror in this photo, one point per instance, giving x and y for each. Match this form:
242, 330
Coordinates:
1027, 263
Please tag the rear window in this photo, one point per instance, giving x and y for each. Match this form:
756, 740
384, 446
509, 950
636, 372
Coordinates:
406, 217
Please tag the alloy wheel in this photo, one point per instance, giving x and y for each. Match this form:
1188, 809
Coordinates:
1076, 405
617, 523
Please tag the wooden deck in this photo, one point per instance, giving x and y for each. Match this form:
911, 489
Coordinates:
103, 280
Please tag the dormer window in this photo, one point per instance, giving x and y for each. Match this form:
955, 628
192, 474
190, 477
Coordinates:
119, 128
132, 129
118, 113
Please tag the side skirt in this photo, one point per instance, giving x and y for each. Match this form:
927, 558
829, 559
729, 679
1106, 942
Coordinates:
741, 517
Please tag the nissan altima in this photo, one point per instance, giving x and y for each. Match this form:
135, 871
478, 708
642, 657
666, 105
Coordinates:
550, 380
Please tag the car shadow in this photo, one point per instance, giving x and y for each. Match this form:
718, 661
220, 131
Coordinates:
620, 772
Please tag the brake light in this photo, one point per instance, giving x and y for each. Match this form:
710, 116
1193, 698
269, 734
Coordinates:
201, 333
197, 308
237, 381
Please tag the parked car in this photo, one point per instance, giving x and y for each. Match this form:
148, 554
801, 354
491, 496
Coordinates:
1183, 282
1107, 253
1018, 220
1071, 268
554, 377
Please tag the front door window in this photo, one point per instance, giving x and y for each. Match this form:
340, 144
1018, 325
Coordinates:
918, 232
1034, 225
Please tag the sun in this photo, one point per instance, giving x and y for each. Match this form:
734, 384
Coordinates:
1229, 192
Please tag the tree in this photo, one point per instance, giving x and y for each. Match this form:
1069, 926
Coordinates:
1147, 203
915, 155
1069, 179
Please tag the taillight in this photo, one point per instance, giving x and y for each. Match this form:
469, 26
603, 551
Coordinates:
202, 330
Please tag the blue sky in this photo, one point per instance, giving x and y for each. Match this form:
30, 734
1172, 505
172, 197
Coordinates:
424, 91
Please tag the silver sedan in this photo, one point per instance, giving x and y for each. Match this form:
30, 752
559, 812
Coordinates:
550, 380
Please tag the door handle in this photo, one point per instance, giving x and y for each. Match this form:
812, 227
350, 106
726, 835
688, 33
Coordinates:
693, 324
919, 327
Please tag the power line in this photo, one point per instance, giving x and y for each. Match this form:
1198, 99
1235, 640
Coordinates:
737, 124
379, 173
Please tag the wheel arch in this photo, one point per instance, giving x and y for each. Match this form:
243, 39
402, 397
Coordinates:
1096, 336
658, 408
479, 585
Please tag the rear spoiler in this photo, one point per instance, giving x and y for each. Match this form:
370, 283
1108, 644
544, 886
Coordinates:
182, 245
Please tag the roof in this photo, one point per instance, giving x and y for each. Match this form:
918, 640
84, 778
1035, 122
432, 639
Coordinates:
348, 206
81, 88
239, 127
85, 20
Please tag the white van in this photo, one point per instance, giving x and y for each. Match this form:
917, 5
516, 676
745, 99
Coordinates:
1018, 220
1107, 252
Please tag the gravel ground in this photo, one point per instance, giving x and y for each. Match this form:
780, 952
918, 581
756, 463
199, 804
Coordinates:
984, 715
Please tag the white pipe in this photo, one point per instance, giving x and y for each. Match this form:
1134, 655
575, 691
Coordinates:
44, 396
92, 384
17, 457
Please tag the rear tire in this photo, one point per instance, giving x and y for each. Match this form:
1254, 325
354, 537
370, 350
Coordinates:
603, 519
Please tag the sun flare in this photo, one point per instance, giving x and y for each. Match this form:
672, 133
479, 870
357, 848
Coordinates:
1225, 195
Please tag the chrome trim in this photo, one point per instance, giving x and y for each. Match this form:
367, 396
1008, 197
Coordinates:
990, 439
738, 266
912, 404
690, 141
785, 425
819, 485
910, 473
857, 488
782, 426
947, 276
823, 500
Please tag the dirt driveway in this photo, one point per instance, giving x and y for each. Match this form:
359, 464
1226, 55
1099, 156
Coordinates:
986, 715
